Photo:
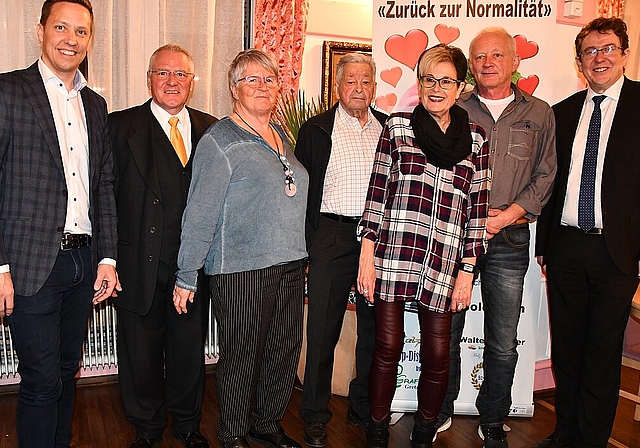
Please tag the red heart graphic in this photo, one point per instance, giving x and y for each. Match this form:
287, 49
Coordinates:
387, 102
526, 49
529, 84
446, 34
391, 76
407, 50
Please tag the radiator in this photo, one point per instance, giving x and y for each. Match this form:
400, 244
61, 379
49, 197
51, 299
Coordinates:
100, 356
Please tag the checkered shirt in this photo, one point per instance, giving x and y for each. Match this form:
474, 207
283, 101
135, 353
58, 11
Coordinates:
424, 219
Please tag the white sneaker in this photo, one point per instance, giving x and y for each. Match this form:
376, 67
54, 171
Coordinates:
443, 427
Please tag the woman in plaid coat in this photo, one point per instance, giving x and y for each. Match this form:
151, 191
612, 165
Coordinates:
422, 229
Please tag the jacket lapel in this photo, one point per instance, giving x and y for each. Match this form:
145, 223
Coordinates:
35, 91
142, 144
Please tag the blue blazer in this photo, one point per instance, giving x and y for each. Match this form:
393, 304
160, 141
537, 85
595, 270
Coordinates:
33, 191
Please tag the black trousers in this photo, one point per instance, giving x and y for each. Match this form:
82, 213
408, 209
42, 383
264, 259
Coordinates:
589, 304
161, 361
259, 317
333, 269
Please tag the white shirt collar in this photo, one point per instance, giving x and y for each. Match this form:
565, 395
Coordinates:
79, 81
612, 92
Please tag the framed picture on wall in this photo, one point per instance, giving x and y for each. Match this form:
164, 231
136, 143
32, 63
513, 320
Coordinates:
331, 54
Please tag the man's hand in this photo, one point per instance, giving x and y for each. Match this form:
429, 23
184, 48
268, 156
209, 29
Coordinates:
6, 294
107, 283
180, 297
543, 266
498, 219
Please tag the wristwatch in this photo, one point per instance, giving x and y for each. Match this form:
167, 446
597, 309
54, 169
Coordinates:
467, 267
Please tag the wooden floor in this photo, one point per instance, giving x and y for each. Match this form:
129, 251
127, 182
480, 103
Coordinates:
100, 423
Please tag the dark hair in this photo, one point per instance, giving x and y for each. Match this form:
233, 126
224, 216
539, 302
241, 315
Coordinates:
443, 53
48, 5
603, 25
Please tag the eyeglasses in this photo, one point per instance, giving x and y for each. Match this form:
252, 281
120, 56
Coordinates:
255, 81
445, 83
591, 52
164, 74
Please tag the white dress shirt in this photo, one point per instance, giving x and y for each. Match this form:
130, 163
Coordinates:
608, 108
353, 148
184, 124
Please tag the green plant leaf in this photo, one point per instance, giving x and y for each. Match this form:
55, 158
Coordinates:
292, 110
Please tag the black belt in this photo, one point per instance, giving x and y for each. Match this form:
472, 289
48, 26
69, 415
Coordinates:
70, 241
340, 218
594, 231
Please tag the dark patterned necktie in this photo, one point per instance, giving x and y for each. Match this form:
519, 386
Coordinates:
586, 200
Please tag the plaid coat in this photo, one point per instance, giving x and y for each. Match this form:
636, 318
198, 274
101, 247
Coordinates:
424, 219
33, 191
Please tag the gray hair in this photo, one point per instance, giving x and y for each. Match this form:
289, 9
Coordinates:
173, 48
496, 30
354, 58
246, 57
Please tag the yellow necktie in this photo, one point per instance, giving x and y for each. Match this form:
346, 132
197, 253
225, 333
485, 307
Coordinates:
177, 142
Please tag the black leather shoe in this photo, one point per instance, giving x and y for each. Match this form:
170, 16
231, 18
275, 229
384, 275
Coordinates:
552, 442
278, 439
355, 420
193, 439
238, 442
315, 435
146, 443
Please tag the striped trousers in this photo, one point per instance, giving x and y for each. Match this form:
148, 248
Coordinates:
259, 317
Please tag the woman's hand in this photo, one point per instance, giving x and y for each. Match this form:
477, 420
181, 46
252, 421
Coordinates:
366, 271
462, 288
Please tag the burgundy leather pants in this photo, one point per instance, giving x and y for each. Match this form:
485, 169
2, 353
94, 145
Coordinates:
435, 334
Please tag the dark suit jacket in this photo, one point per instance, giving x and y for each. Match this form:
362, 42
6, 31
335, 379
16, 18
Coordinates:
620, 178
136, 135
33, 192
313, 149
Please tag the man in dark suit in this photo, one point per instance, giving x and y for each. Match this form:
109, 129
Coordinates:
588, 238
57, 218
153, 172
337, 149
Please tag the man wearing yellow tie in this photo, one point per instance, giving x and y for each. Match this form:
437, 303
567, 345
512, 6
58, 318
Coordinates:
153, 145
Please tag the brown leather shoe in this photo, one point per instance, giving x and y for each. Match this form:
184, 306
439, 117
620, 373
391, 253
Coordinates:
193, 439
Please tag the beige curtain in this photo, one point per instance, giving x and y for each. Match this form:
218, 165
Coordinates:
281, 29
127, 32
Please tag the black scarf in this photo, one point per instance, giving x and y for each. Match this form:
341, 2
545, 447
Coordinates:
443, 149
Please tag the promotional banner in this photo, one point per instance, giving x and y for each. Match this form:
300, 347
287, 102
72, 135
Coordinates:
471, 351
402, 30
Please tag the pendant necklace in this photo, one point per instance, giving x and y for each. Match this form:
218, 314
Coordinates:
289, 181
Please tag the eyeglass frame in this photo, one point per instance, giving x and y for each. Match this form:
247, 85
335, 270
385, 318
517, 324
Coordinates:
438, 81
262, 79
178, 74
591, 52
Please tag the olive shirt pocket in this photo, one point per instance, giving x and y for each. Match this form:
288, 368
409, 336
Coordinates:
522, 137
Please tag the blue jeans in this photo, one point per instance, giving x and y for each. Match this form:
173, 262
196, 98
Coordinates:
502, 271
48, 330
